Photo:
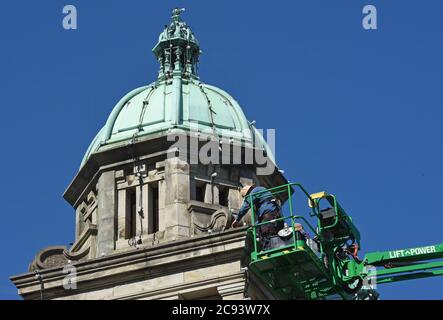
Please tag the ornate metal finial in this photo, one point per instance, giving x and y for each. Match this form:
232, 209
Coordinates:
176, 14
177, 49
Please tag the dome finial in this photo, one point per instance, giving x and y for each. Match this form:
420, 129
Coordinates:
177, 49
176, 14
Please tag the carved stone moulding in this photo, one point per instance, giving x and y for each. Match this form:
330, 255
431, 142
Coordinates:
49, 257
56, 256
208, 218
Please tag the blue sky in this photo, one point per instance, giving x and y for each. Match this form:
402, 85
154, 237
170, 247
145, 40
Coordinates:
358, 113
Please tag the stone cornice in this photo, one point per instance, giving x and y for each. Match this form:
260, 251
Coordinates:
138, 264
233, 278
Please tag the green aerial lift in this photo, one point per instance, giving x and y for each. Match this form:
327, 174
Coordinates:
326, 265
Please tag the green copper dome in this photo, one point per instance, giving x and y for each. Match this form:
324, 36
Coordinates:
176, 100
154, 108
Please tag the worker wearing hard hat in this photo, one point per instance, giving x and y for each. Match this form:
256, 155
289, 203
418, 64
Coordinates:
266, 208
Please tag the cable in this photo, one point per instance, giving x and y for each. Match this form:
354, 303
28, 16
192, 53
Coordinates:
144, 107
140, 211
39, 277
211, 113
136, 240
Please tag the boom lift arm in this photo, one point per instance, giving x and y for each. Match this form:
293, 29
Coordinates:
406, 264
327, 266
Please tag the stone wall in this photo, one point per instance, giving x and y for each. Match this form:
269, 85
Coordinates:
196, 268
149, 226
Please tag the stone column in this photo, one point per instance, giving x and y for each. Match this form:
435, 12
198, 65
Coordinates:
211, 194
234, 199
106, 207
162, 204
78, 222
175, 216
123, 221
147, 208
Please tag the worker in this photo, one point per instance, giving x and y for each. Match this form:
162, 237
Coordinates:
266, 208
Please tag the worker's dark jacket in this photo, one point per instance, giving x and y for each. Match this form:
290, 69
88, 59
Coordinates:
264, 203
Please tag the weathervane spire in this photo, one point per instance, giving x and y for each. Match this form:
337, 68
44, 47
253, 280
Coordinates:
176, 14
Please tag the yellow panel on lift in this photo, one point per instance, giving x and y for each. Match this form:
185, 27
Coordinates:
315, 196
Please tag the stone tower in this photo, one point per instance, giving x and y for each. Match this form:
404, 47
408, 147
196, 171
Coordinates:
156, 191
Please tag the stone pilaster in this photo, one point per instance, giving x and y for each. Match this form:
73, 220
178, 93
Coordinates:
148, 202
175, 215
78, 222
123, 221
211, 193
106, 213
234, 199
